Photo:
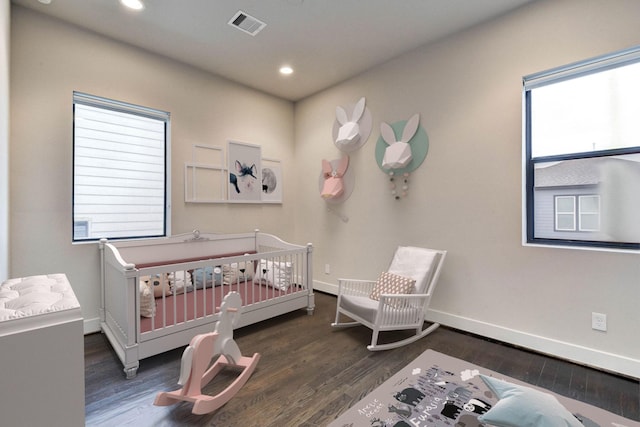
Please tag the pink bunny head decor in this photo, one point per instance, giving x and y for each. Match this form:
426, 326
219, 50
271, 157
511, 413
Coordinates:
398, 153
333, 186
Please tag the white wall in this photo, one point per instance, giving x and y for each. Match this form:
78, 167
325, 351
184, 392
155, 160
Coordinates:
4, 138
49, 60
466, 197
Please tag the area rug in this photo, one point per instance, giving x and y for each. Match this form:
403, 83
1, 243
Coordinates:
437, 390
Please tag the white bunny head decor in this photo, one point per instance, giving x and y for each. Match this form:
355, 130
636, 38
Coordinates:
333, 186
351, 133
398, 153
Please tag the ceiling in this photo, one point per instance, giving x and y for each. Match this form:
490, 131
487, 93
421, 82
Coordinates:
325, 41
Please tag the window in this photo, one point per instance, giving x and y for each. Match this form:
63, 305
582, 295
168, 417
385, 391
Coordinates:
581, 154
587, 217
120, 170
589, 213
565, 213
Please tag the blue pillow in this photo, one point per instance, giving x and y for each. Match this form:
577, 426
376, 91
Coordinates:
521, 406
207, 277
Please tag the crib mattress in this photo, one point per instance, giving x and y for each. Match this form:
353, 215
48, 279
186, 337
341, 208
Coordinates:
33, 296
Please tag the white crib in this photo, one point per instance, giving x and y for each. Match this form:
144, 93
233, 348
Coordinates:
190, 274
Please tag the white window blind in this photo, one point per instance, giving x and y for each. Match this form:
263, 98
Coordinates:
120, 181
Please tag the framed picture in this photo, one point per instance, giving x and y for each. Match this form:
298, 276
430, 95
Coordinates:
245, 172
271, 181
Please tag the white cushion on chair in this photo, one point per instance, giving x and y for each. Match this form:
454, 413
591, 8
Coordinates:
416, 263
364, 307
367, 308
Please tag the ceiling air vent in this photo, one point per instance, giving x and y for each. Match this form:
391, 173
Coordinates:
246, 23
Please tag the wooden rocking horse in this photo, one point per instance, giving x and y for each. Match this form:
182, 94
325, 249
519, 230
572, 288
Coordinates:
198, 355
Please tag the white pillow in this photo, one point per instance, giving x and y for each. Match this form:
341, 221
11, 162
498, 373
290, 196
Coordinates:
180, 282
237, 272
147, 300
278, 274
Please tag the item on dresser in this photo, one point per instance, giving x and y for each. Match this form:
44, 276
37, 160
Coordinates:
35, 295
41, 352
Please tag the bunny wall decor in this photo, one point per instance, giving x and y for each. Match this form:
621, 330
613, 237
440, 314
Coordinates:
399, 156
333, 186
398, 153
351, 133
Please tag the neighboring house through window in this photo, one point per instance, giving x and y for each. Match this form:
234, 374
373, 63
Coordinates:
120, 170
582, 153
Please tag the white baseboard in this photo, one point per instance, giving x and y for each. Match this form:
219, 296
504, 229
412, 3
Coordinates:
583, 355
329, 288
91, 325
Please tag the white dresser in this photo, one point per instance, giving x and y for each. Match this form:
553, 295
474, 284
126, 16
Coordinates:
41, 353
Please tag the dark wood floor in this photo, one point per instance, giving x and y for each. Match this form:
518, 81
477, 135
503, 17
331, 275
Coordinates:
309, 374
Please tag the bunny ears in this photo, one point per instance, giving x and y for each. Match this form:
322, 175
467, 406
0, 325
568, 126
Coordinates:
351, 132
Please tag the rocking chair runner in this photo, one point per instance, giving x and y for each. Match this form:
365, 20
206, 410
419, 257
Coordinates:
393, 311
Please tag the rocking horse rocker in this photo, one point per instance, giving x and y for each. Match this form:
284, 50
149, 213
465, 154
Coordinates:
197, 356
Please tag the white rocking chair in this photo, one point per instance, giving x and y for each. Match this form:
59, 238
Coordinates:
393, 311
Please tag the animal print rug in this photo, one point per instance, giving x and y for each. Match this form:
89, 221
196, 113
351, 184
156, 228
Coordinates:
437, 390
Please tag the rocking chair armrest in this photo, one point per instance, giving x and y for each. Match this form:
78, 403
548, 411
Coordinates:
404, 301
355, 286
407, 296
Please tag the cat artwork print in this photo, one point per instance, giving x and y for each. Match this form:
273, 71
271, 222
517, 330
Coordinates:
245, 180
245, 173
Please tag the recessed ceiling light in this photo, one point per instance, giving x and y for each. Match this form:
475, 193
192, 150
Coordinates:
133, 4
45, 1
286, 70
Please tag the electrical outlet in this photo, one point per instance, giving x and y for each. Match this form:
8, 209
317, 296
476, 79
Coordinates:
599, 321
327, 269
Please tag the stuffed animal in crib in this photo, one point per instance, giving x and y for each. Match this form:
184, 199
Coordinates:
398, 153
333, 186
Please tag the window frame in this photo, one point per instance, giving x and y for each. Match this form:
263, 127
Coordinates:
137, 110
555, 75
